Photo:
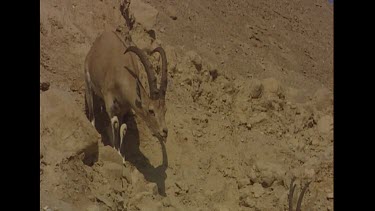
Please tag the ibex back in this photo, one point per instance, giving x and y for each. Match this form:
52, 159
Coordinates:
112, 74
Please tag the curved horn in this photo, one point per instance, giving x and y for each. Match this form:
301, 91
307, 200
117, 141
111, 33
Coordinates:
164, 80
148, 68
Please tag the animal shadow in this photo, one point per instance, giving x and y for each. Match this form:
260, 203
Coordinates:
130, 149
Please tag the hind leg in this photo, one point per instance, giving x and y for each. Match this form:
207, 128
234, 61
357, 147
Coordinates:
114, 125
123, 130
89, 99
115, 132
111, 109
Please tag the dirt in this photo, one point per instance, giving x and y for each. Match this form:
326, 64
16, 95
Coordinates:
249, 98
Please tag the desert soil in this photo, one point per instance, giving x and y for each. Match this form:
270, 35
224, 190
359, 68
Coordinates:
250, 106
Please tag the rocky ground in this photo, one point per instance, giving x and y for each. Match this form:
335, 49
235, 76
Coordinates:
250, 105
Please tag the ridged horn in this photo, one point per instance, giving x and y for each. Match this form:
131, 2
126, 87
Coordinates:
148, 68
164, 80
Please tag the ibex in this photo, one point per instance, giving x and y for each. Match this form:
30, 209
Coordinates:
112, 74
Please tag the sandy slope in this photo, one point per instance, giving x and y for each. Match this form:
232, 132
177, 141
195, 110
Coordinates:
235, 141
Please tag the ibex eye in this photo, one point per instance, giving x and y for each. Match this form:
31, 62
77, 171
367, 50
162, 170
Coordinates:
151, 112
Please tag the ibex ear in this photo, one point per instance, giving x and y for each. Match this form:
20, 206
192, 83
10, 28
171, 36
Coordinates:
138, 100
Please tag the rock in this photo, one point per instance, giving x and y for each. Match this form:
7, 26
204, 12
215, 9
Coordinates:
206, 76
294, 143
300, 145
166, 202
292, 106
253, 175
220, 207
112, 170
137, 181
213, 73
143, 13
127, 174
258, 118
295, 96
46, 208
309, 173
44, 86
93, 208
247, 202
244, 193
182, 188
150, 206
152, 188
325, 124
195, 59
330, 195
268, 173
241, 107
187, 80
280, 193
51, 203
197, 133
316, 142
141, 38
243, 182
172, 58
256, 89
42, 149
77, 86
108, 154
65, 130
106, 200
137, 198
272, 87
136, 176
156, 43
257, 190
172, 12
323, 99
229, 88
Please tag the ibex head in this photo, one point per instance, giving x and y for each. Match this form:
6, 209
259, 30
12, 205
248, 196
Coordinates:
152, 108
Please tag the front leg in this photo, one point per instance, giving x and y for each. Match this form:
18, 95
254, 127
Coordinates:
111, 108
115, 132
123, 130
89, 99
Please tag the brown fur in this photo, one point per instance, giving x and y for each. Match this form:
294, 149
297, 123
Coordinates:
113, 76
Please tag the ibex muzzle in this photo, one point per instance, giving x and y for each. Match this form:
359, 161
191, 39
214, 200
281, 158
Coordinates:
112, 74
